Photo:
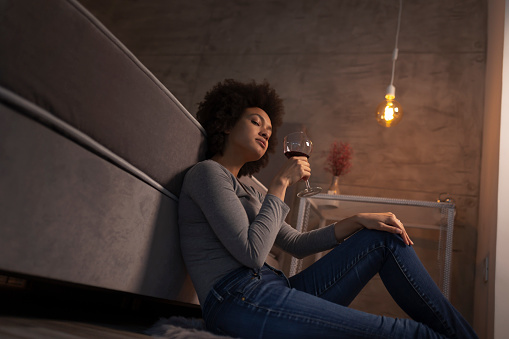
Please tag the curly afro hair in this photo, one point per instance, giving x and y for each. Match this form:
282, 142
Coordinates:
223, 106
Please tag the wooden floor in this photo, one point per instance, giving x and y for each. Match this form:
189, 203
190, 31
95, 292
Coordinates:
23, 327
35, 308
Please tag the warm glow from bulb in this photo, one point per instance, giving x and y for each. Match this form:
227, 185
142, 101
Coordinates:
389, 112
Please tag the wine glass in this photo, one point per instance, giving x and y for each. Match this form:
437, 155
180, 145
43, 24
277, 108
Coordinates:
298, 144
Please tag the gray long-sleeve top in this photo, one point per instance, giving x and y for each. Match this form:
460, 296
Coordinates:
225, 225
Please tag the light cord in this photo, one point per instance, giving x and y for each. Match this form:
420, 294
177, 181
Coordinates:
395, 52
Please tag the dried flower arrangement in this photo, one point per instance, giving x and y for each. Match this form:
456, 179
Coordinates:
339, 159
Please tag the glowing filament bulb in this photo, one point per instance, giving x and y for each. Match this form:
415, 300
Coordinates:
389, 112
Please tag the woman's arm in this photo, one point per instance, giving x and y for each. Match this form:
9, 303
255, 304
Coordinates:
301, 244
212, 188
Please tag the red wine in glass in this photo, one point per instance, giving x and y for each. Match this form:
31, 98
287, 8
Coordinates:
298, 144
295, 154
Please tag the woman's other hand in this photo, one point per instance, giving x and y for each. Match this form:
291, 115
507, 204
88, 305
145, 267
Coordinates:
384, 222
376, 221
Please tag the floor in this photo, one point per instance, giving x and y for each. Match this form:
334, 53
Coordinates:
34, 308
25, 327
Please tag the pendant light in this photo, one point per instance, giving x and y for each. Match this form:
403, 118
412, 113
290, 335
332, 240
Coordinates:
389, 111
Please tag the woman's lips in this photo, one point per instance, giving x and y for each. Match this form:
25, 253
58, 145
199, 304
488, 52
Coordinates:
262, 142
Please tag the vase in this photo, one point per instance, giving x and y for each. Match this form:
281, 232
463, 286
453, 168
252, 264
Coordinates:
334, 186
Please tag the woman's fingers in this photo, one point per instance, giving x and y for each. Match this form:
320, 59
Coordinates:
386, 222
304, 167
299, 168
399, 225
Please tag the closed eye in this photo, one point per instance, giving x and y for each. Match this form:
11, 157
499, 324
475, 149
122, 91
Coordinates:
255, 122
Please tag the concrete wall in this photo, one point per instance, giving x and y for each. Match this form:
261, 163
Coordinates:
331, 62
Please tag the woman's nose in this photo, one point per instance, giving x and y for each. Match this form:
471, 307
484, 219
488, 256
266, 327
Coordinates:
264, 134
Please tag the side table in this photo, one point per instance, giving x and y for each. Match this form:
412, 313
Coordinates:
413, 213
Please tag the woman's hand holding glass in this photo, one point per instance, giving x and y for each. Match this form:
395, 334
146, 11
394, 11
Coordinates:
295, 169
298, 144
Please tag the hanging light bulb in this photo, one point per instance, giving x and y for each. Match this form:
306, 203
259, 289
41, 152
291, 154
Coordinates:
389, 112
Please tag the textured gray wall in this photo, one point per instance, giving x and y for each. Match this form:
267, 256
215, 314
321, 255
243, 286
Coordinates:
331, 62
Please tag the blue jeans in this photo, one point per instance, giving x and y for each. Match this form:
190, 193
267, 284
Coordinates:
263, 303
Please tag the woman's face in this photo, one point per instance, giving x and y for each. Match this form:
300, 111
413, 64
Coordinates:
250, 135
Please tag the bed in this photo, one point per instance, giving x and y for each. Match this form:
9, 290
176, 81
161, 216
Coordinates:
91, 156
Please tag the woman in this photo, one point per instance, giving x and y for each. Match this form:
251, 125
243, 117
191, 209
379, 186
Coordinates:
227, 230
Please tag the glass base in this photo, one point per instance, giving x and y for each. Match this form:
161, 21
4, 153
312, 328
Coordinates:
308, 192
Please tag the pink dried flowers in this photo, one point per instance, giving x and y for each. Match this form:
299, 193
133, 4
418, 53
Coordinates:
339, 159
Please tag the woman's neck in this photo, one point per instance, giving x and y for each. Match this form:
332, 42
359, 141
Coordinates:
231, 164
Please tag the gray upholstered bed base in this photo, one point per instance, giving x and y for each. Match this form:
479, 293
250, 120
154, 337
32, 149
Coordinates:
93, 150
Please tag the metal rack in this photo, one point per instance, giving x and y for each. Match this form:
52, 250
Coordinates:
413, 213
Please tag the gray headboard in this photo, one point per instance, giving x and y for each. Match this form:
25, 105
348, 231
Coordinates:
93, 150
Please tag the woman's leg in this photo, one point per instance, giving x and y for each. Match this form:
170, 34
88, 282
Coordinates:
340, 275
260, 304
